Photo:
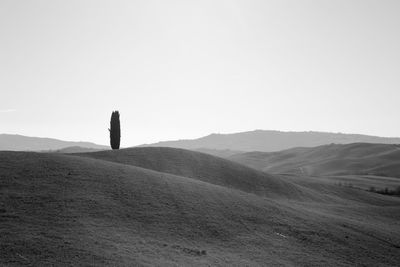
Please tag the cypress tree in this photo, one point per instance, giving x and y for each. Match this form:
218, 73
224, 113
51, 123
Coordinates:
115, 130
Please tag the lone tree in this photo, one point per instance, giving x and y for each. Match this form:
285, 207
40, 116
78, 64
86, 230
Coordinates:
115, 130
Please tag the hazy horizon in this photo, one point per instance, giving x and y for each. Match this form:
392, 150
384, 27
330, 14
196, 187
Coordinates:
186, 69
197, 137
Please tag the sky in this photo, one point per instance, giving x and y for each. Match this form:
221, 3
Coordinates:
185, 69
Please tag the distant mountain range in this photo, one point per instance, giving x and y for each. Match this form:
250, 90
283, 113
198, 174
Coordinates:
16, 142
222, 145
270, 141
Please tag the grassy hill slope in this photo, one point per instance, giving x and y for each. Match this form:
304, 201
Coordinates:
70, 210
357, 158
201, 166
218, 171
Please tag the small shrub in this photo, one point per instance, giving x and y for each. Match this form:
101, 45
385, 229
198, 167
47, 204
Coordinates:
372, 189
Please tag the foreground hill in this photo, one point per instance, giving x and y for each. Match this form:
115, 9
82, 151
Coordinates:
268, 141
14, 142
200, 166
350, 159
74, 210
218, 171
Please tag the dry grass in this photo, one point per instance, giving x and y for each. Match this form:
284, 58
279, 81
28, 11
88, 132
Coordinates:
73, 210
350, 159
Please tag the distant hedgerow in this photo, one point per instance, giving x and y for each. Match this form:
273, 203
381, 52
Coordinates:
386, 191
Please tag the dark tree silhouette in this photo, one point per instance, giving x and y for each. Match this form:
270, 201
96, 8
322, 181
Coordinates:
115, 130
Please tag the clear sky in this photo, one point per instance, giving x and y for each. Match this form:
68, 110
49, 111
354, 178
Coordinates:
184, 69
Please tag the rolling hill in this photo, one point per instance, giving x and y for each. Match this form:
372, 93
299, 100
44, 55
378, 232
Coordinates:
269, 141
199, 166
171, 207
349, 159
14, 142
75, 149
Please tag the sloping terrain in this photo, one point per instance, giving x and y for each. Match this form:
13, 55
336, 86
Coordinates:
218, 171
269, 141
75, 149
75, 210
200, 166
222, 153
350, 159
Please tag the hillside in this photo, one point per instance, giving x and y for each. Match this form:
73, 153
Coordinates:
14, 142
222, 153
226, 173
269, 141
75, 149
349, 159
200, 166
75, 210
